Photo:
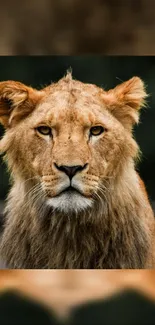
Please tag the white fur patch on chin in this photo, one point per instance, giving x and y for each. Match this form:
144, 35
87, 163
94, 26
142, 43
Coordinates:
68, 202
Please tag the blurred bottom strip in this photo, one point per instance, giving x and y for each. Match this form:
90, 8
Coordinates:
77, 297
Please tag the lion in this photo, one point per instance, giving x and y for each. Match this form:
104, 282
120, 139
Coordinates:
76, 200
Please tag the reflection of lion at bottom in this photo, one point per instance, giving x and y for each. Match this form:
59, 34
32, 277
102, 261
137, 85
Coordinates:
63, 290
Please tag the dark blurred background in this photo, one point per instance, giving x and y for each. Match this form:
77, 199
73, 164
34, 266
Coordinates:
43, 27
104, 71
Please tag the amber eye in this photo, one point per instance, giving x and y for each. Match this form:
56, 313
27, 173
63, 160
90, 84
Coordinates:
45, 130
96, 130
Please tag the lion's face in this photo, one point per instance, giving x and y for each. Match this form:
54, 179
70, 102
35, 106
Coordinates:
71, 141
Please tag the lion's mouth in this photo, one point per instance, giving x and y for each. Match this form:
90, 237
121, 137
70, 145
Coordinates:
70, 190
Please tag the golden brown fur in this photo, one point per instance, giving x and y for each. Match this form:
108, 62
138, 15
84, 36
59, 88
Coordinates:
110, 223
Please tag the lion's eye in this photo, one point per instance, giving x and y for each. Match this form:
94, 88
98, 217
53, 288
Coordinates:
96, 130
45, 130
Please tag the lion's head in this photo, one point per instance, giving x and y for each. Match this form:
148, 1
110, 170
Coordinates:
69, 138
76, 199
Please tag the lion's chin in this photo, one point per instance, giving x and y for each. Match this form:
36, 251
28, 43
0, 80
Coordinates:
70, 201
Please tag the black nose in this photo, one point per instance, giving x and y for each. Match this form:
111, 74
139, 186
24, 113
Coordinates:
70, 171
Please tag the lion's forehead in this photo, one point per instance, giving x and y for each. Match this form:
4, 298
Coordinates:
72, 96
71, 105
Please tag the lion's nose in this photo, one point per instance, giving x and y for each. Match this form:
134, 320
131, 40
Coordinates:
70, 171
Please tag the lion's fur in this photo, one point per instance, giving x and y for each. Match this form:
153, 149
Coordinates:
117, 231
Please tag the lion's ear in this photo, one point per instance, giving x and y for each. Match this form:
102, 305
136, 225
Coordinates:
16, 101
125, 101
